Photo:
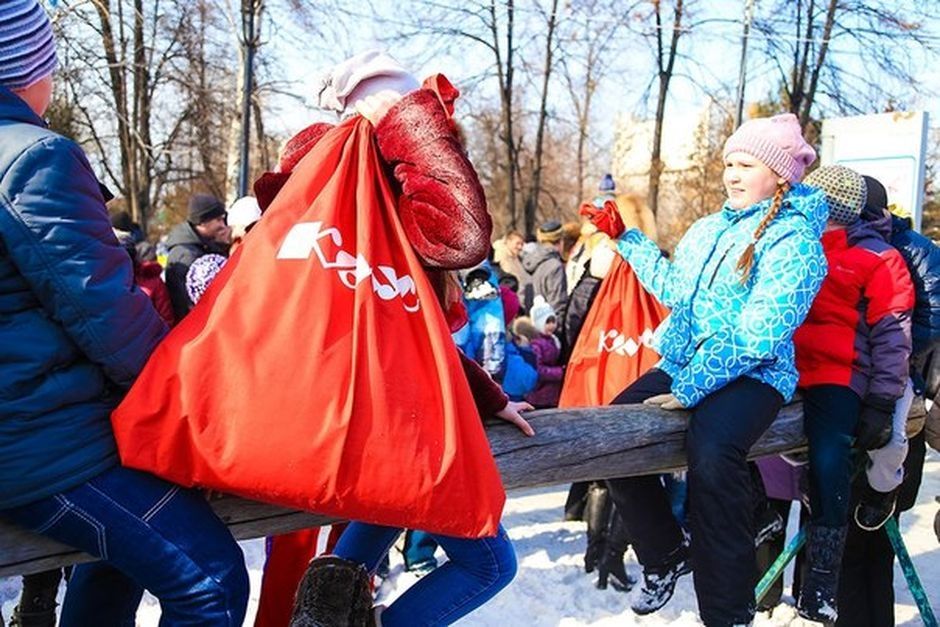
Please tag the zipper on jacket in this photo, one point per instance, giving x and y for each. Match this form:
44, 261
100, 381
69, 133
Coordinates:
718, 265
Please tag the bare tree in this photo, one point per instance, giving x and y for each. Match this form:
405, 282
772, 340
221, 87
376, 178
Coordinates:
810, 42
535, 181
665, 64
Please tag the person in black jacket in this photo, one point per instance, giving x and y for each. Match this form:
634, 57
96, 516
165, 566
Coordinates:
74, 334
204, 232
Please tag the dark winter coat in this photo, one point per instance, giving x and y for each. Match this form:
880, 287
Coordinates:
858, 331
579, 304
185, 246
546, 276
74, 329
923, 261
550, 371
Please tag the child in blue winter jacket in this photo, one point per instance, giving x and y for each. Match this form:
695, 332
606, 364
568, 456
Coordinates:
741, 282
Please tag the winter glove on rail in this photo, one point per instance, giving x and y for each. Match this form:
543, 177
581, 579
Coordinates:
874, 423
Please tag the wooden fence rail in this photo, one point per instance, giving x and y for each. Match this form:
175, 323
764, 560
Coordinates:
570, 445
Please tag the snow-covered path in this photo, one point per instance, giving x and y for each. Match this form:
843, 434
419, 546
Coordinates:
552, 589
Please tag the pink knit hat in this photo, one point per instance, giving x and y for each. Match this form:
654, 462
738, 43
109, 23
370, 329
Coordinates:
777, 142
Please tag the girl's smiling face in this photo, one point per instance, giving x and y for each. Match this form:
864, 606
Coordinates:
748, 181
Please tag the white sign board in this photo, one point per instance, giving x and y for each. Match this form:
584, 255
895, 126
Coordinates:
887, 146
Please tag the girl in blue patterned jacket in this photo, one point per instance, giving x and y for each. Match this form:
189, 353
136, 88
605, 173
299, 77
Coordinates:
741, 282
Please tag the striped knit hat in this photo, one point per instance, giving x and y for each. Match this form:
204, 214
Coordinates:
27, 50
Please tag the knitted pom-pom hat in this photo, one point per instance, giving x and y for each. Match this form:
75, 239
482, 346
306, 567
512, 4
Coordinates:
777, 142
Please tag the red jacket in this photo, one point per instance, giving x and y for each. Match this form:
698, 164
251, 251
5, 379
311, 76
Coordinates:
147, 276
858, 331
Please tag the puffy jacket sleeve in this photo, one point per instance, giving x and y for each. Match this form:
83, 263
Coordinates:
786, 279
442, 206
546, 372
487, 394
923, 260
890, 297
57, 233
661, 277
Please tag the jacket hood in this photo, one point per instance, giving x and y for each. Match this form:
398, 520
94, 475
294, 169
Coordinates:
871, 225
808, 203
14, 108
184, 235
541, 254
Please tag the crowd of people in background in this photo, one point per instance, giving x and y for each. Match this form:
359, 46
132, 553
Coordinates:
798, 284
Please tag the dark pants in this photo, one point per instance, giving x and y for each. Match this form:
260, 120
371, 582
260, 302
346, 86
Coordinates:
866, 587
419, 549
830, 416
722, 429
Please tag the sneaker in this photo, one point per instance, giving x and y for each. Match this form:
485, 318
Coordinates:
659, 584
875, 508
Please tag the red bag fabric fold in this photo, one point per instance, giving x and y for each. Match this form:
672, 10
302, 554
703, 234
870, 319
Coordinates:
612, 349
318, 371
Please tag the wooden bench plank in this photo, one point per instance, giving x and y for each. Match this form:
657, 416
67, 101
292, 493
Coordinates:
570, 445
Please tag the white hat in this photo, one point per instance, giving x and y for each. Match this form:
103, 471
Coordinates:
540, 312
244, 212
360, 76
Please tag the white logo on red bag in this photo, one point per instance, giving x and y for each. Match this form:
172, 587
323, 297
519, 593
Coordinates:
304, 238
614, 341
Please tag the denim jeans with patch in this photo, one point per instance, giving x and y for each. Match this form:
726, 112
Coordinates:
477, 568
150, 535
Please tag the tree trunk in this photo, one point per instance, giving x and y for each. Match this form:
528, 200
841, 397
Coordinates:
665, 76
505, 76
810, 99
581, 444
535, 187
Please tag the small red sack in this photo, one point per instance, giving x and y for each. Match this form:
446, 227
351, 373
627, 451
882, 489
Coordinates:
318, 371
613, 349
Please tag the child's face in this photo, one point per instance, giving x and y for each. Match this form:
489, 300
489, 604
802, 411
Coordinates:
550, 326
748, 181
833, 226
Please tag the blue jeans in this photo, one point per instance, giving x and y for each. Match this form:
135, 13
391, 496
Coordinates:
151, 534
477, 569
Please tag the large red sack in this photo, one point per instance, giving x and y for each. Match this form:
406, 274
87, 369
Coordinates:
318, 371
613, 347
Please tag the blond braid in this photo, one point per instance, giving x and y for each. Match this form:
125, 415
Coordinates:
746, 262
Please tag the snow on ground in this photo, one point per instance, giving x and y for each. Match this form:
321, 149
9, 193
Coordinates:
552, 589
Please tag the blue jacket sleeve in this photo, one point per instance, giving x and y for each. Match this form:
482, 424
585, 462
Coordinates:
57, 233
786, 281
655, 272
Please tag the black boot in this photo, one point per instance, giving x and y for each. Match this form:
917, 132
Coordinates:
659, 583
576, 501
37, 600
333, 593
611, 565
596, 514
875, 508
818, 594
